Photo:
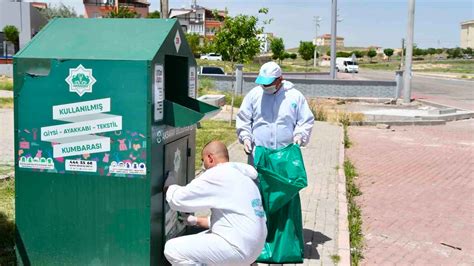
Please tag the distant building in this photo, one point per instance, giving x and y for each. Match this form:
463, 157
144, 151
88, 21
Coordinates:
467, 34
265, 41
25, 17
325, 60
199, 20
101, 8
377, 49
325, 40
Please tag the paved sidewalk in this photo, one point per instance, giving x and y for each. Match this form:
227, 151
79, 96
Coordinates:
418, 193
320, 202
6, 94
6, 136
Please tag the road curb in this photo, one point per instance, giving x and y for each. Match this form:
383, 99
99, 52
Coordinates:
358, 99
401, 123
439, 105
343, 241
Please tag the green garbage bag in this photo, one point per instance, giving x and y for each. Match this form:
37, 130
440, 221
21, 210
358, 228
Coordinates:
282, 175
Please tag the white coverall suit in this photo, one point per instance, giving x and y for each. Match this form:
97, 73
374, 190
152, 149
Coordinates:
238, 223
273, 120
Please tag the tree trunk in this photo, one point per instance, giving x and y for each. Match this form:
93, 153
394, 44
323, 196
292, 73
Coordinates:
233, 93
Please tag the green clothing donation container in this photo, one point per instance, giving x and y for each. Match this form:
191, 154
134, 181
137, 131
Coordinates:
104, 109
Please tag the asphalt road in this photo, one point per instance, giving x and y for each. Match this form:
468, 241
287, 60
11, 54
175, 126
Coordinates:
453, 92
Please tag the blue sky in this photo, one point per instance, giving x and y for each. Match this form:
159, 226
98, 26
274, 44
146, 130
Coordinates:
365, 22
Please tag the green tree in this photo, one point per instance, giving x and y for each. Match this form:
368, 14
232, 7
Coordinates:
237, 40
306, 51
343, 54
12, 35
154, 14
454, 52
193, 41
371, 54
358, 54
467, 51
293, 56
431, 52
388, 52
59, 11
278, 49
418, 51
207, 47
123, 12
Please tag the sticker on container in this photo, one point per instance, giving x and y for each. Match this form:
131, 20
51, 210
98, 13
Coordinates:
85, 119
127, 168
177, 41
36, 163
158, 92
192, 82
81, 166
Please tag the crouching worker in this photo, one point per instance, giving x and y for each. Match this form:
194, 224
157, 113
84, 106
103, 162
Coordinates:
237, 226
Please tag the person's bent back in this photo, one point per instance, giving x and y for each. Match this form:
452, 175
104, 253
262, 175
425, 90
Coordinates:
237, 225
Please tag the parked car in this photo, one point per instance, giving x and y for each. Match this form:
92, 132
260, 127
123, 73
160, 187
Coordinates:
466, 56
212, 57
211, 70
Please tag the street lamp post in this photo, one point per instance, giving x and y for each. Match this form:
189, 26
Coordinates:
332, 71
317, 19
409, 52
164, 8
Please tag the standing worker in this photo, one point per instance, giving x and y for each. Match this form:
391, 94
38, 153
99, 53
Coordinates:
274, 114
237, 226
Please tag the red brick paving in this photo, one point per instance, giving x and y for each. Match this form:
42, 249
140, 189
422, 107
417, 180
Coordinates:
418, 192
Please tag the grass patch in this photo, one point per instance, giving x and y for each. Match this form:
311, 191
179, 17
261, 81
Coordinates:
7, 221
426, 65
213, 130
6, 103
319, 112
355, 215
333, 111
347, 140
335, 259
6, 83
389, 66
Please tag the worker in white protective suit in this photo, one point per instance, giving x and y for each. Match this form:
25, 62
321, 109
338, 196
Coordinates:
274, 114
237, 225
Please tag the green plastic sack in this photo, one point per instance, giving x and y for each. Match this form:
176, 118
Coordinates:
282, 175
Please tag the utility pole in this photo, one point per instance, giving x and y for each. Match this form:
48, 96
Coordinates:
317, 19
164, 8
409, 54
401, 57
332, 72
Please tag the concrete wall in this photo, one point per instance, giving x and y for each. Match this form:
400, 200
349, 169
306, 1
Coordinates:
320, 88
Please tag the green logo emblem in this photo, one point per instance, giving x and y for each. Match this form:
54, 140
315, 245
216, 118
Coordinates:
80, 80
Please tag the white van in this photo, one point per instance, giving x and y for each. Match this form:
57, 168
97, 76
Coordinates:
345, 64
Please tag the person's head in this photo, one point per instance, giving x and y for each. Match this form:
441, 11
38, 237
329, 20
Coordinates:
214, 153
270, 77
